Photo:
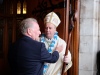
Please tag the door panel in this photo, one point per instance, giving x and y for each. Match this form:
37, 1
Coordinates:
9, 32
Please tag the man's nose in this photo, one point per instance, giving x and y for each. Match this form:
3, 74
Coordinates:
47, 29
40, 32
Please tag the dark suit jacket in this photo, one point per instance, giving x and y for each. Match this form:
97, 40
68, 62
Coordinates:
27, 57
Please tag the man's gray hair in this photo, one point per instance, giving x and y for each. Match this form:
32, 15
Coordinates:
26, 23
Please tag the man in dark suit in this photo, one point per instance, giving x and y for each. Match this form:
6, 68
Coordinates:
27, 56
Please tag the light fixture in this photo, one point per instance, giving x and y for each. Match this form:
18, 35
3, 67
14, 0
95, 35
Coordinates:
19, 7
24, 7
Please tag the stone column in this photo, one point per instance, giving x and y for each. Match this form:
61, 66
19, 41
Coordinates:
89, 23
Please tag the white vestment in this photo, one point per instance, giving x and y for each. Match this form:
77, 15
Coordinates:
56, 68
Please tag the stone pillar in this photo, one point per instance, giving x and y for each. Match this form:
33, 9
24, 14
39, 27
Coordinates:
89, 22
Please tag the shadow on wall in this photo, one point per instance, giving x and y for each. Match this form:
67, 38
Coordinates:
98, 63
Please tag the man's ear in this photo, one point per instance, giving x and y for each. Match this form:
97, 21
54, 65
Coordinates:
29, 31
55, 30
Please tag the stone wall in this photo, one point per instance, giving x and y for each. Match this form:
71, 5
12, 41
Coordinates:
89, 35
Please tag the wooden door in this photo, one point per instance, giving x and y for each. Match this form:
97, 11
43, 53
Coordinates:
9, 27
41, 8
6, 29
9, 21
74, 46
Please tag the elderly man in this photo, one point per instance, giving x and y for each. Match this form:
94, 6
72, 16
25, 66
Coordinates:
51, 40
27, 56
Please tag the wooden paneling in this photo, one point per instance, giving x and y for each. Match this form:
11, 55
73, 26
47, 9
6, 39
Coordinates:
74, 47
11, 27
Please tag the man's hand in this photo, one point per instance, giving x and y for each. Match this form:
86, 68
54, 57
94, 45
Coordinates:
67, 58
59, 48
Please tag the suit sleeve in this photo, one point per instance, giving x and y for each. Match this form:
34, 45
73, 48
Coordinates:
48, 57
